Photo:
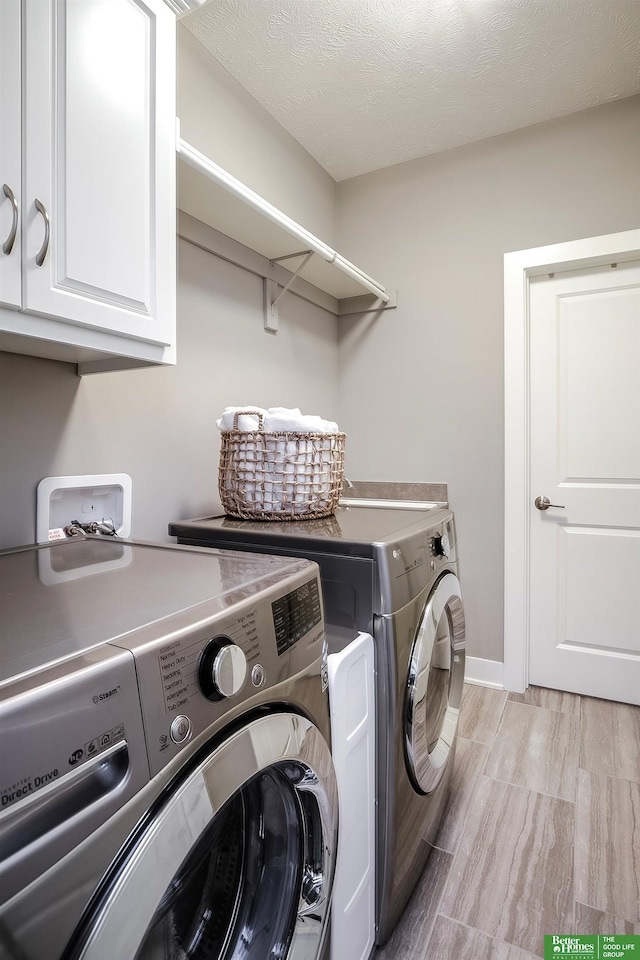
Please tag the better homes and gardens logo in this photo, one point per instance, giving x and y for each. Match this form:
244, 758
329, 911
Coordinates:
597, 948
573, 946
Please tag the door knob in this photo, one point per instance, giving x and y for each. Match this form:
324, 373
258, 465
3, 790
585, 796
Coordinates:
543, 503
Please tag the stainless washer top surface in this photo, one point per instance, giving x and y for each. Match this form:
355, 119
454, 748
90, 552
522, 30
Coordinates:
59, 600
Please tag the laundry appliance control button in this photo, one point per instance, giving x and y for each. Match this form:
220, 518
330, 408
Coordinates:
257, 675
180, 729
222, 670
440, 545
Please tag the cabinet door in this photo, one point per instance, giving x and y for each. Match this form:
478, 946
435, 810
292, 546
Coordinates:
100, 165
10, 125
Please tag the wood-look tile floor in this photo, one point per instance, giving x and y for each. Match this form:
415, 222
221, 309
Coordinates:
542, 832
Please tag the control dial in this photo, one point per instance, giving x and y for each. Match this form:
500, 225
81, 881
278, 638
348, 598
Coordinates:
440, 545
222, 670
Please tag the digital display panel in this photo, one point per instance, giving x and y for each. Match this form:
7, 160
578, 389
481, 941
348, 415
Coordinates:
295, 614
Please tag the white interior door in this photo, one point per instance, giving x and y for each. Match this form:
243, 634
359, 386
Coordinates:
584, 586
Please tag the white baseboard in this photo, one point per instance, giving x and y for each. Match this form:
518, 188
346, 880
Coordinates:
484, 673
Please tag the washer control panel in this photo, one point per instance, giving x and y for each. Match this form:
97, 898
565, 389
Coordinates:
199, 674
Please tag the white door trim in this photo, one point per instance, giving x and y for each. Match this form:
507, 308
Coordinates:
519, 267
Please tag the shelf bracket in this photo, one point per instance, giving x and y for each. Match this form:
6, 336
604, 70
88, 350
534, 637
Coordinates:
270, 286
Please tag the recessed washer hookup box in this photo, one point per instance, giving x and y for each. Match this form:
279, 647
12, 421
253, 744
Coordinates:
94, 497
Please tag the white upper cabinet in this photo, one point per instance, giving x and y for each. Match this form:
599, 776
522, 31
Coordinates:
97, 214
10, 174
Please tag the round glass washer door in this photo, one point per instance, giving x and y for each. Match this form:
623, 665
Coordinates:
238, 863
434, 686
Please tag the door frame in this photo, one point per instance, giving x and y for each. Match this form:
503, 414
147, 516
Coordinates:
519, 267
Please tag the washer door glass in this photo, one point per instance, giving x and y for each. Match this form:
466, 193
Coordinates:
212, 907
238, 864
434, 686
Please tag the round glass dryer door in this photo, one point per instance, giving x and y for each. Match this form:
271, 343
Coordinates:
238, 863
434, 687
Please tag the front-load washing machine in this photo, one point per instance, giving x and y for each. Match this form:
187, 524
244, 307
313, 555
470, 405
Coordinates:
166, 784
393, 573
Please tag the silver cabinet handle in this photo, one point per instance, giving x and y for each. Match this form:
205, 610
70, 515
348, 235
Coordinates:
42, 252
543, 503
7, 246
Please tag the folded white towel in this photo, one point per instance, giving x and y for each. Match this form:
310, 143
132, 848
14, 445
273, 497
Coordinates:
274, 420
248, 419
281, 423
315, 424
288, 412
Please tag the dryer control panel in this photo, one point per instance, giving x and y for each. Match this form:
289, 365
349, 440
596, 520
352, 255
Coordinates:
201, 675
407, 565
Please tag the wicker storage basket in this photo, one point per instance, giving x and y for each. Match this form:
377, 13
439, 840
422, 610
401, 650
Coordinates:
280, 476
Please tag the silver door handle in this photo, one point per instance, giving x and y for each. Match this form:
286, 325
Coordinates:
543, 503
7, 246
42, 252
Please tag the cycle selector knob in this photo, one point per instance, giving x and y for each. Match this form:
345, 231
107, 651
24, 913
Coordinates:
440, 545
222, 670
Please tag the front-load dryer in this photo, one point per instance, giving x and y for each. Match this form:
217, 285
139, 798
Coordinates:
393, 573
167, 787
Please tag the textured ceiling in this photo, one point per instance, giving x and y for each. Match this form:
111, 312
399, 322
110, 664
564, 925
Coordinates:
363, 84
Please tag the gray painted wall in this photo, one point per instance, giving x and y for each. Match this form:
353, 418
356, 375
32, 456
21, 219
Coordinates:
158, 424
421, 387
223, 121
